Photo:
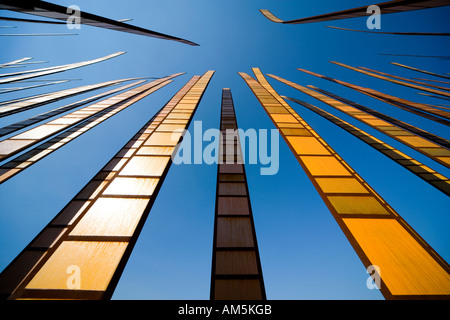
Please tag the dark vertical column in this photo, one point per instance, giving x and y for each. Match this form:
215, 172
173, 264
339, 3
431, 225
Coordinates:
236, 268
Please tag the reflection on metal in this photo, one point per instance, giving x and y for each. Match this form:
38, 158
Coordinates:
420, 70
24, 75
97, 230
8, 90
403, 83
37, 101
17, 165
422, 171
386, 8
410, 138
395, 101
24, 140
54, 11
236, 269
442, 34
52, 113
410, 268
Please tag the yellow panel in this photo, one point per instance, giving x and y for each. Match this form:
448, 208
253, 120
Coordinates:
324, 166
163, 139
283, 118
295, 132
357, 205
111, 217
438, 152
418, 141
132, 186
276, 109
405, 266
145, 166
377, 122
341, 185
307, 145
445, 159
94, 262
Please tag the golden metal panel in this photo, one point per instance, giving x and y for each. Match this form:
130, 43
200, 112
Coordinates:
357, 205
341, 185
132, 186
145, 166
307, 145
324, 166
111, 217
96, 261
405, 266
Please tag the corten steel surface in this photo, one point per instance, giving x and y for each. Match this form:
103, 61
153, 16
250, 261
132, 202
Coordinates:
386, 8
236, 269
27, 139
422, 171
27, 159
409, 267
402, 83
54, 11
430, 149
420, 70
413, 107
439, 34
52, 113
98, 229
29, 74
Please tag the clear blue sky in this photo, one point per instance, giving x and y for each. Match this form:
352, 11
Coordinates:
304, 254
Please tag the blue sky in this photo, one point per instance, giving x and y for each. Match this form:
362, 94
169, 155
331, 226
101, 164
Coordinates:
304, 254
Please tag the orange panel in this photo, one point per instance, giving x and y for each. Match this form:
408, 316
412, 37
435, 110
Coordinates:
405, 266
96, 262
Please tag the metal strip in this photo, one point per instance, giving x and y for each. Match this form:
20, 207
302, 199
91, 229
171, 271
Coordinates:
422, 171
54, 11
100, 263
411, 139
17, 165
386, 8
236, 268
408, 266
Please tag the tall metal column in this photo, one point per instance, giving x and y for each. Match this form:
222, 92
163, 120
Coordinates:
236, 268
407, 267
